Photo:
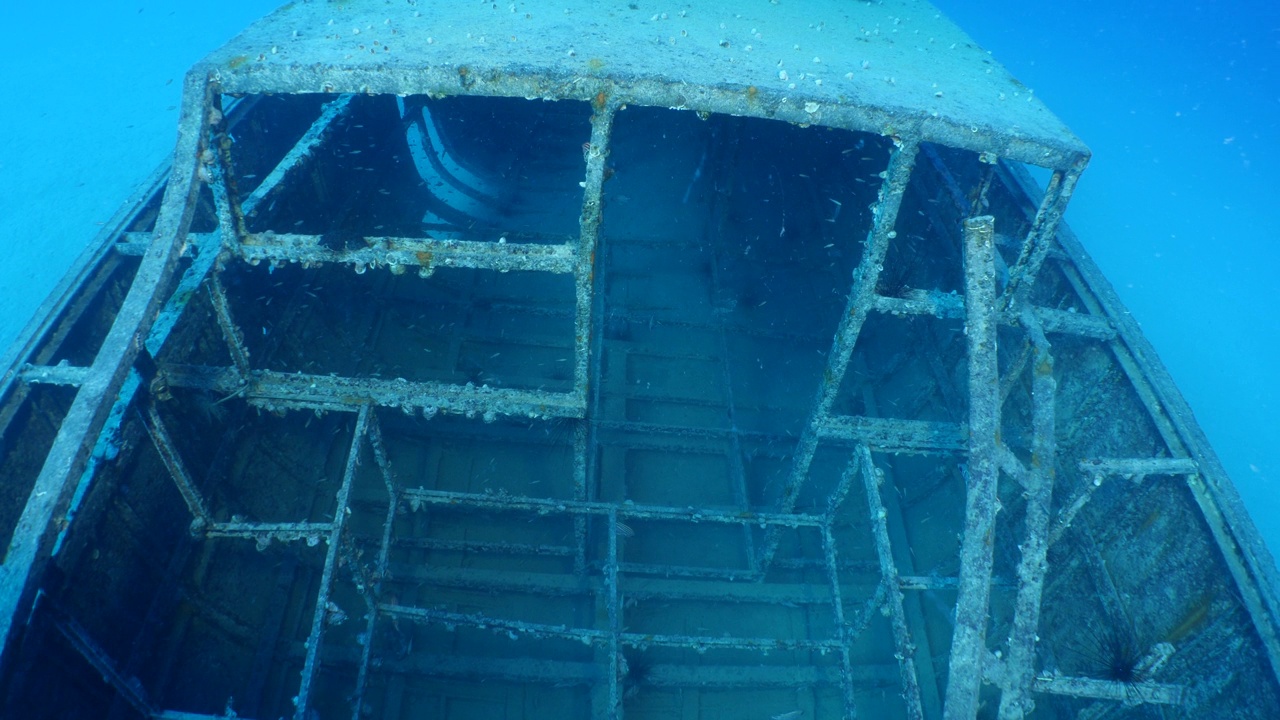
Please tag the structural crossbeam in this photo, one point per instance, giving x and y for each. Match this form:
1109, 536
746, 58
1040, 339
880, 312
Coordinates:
298, 391
543, 506
172, 459
1138, 468
1129, 693
893, 434
842, 627
602, 638
60, 374
403, 253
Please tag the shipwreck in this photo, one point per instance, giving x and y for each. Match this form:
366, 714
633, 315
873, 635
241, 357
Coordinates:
479, 360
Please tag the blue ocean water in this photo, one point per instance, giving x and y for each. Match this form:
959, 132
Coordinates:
1180, 102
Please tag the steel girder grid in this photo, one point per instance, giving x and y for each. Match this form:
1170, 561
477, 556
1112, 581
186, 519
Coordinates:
971, 663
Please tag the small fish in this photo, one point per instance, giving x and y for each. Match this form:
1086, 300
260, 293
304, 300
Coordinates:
623, 529
793, 715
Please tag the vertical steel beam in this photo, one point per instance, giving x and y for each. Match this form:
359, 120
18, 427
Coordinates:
316, 637
587, 337
372, 594
968, 641
843, 633
589, 235
231, 225
67, 458
861, 296
615, 617
1016, 700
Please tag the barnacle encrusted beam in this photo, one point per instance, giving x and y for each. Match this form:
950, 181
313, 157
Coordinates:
968, 642
298, 391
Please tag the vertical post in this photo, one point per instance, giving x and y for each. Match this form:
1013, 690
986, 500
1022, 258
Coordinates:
589, 235
314, 639
861, 296
615, 620
837, 602
587, 338
372, 594
1016, 700
968, 643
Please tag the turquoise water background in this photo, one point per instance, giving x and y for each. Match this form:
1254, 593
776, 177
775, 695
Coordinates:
1179, 100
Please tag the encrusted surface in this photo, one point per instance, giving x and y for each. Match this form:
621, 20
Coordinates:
893, 67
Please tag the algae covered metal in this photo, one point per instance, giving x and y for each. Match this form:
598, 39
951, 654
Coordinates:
486, 360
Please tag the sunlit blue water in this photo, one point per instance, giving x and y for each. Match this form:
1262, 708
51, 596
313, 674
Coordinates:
1180, 103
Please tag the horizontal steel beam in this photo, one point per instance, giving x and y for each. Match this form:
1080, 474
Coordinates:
417, 497
893, 435
402, 253
591, 636
951, 306
60, 374
298, 391
1139, 467
1130, 693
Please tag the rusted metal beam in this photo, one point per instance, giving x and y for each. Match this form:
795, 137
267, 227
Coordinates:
892, 434
399, 254
1129, 693
230, 331
968, 641
613, 696
371, 594
292, 391
601, 638
60, 374
1016, 701
306, 146
418, 497
1138, 468
67, 458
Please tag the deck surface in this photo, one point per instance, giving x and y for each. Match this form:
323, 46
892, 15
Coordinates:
892, 67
